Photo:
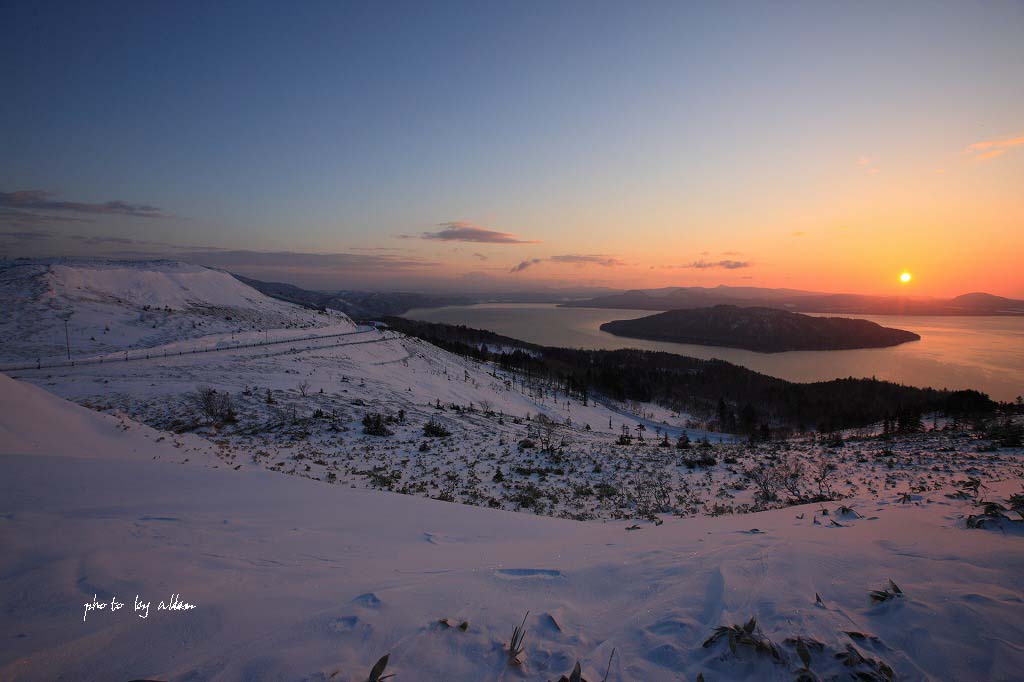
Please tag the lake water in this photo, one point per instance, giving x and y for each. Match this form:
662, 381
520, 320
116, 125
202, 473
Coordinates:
984, 353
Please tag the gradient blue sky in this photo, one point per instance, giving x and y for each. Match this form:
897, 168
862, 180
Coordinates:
816, 144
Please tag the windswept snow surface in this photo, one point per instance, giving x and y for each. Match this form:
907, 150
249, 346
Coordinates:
112, 306
293, 579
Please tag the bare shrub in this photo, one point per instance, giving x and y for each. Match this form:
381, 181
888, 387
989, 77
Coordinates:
215, 406
822, 478
767, 479
650, 495
547, 429
792, 479
789, 475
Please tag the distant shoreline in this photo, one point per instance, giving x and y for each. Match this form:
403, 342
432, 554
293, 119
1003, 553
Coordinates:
944, 312
976, 304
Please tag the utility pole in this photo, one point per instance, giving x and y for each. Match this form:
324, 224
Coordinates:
67, 337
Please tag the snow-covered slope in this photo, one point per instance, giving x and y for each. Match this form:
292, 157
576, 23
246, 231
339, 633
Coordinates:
114, 305
34, 423
300, 405
296, 580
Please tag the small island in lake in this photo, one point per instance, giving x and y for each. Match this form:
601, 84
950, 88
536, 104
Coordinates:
766, 330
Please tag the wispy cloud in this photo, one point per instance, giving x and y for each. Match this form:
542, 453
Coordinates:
26, 235
328, 271
12, 217
103, 241
592, 259
479, 256
522, 265
990, 149
727, 264
571, 258
146, 246
242, 259
290, 260
41, 200
461, 231
868, 164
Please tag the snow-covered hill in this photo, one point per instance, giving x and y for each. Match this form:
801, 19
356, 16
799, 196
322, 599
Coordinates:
114, 305
299, 409
301, 395
296, 580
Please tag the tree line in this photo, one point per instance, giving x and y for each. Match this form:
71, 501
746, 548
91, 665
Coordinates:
740, 400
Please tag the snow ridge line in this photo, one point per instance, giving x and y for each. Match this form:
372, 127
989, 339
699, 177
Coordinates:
149, 354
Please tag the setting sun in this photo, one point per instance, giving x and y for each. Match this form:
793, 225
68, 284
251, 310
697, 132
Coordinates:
905, 277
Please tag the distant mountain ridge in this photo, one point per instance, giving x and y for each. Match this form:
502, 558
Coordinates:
357, 304
766, 330
368, 305
977, 303
365, 305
